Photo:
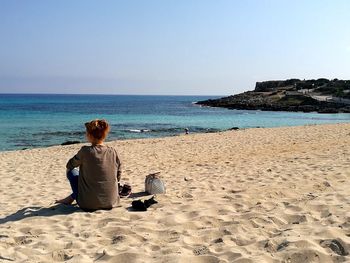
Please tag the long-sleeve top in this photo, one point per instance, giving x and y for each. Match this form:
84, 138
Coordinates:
97, 183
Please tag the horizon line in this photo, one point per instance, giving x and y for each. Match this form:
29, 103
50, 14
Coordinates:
107, 94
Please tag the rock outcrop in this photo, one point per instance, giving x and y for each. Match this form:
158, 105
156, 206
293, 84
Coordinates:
321, 95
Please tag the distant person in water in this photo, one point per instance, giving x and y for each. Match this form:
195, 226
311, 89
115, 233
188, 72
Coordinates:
95, 184
187, 131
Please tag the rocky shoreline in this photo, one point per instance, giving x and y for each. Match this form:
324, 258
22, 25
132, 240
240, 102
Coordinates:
322, 96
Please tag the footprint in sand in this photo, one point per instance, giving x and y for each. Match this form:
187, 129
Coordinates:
117, 239
61, 255
335, 246
23, 240
202, 250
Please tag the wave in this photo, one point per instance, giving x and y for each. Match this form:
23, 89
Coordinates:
175, 130
139, 131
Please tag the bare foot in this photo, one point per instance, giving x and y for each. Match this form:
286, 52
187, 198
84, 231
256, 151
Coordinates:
67, 200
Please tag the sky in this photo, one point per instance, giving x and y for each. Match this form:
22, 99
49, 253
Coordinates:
169, 47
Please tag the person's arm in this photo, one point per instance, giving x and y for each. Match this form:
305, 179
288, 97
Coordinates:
119, 167
75, 161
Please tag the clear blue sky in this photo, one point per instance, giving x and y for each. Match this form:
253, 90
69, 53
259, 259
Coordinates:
169, 46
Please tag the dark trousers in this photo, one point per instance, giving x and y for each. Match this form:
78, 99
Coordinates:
73, 176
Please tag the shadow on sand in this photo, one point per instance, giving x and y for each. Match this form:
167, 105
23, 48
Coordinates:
138, 195
56, 209
31, 211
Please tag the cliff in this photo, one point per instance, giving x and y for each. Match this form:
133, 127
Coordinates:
321, 95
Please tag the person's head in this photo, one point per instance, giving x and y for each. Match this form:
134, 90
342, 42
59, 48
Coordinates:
97, 130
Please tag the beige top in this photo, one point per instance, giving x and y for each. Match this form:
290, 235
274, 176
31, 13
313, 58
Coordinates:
97, 184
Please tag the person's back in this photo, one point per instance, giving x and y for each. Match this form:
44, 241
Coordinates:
95, 185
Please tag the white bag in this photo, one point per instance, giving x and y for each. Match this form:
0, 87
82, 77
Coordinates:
154, 185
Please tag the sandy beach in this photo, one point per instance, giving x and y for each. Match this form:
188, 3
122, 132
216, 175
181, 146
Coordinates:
255, 195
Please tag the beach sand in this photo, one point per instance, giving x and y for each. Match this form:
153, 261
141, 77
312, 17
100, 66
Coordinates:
255, 195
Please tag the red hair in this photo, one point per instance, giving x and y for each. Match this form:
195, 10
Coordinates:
98, 129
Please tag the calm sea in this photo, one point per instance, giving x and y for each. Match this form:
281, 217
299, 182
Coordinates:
28, 121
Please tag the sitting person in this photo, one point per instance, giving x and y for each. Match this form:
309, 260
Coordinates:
95, 184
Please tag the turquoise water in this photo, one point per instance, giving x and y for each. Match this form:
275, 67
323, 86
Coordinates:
28, 121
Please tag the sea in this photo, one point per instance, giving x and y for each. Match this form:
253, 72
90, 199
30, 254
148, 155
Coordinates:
41, 120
